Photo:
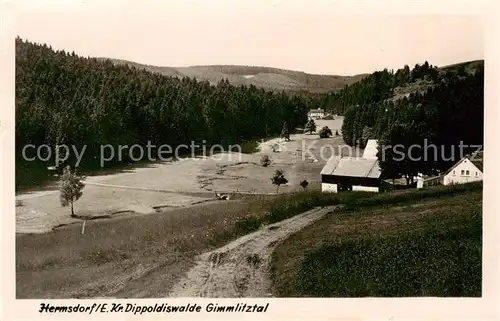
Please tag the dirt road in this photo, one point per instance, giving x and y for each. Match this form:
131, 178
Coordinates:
241, 268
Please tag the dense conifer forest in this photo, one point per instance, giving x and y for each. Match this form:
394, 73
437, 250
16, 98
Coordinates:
62, 98
419, 107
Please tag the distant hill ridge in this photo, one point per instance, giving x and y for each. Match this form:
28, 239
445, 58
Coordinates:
467, 65
270, 78
262, 77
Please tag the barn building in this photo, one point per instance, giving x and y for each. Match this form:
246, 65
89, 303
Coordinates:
352, 173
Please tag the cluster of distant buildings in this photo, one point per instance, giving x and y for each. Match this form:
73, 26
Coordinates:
318, 114
364, 174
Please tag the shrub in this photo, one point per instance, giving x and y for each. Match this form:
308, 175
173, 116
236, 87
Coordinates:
265, 160
325, 132
254, 259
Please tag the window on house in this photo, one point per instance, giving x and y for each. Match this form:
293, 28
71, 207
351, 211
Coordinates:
453, 172
462, 172
467, 173
476, 173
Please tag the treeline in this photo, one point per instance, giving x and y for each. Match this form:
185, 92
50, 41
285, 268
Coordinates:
62, 98
449, 113
376, 87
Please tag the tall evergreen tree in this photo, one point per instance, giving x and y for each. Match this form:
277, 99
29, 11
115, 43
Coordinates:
71, 188
285, 133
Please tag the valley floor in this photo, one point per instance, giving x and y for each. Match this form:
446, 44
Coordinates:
158, 231
163, 186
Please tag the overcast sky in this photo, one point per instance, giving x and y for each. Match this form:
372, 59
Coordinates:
311, 38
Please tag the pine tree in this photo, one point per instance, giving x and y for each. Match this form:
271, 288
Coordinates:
278, 179
367, 134
310, 126
71, 188
285, 132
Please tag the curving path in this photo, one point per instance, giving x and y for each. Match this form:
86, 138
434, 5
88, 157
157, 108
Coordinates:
241, 268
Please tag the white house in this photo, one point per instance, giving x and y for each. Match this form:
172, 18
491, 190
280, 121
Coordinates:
352, 173
316, 113
468, 169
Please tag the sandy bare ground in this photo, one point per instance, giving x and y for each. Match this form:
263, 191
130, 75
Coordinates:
182, 183
241, 268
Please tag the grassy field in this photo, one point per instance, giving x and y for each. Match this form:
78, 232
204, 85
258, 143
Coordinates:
143, 256
109, 191
417, 243
137, 256
150, 252
292, 204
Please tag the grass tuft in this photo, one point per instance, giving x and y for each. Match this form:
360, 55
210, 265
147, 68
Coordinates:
254, 260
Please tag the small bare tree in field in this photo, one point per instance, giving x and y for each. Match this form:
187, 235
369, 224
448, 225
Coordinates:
278, 179
265, 160
71, 188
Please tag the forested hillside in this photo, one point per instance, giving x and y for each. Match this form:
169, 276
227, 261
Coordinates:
65, 99
273, 79
426, 105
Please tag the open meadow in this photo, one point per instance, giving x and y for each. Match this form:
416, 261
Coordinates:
161, 208
162, 186
424, 246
